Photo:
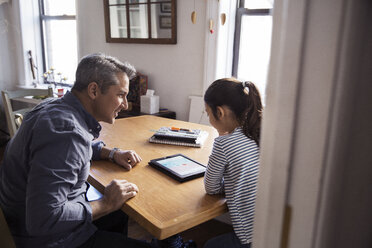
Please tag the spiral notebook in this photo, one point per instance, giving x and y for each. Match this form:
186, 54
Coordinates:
185, 137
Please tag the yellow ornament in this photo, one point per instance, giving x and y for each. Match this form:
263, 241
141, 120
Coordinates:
193, 17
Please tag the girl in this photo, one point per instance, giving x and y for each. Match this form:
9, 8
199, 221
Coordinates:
235, 110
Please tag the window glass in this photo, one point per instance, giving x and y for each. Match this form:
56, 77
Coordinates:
61, 48
124, 2
116, 1
59, 7
138, 21
118, 17
254, 52
258, 4
59, 40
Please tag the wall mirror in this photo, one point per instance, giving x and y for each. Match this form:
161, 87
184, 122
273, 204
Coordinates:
141, 21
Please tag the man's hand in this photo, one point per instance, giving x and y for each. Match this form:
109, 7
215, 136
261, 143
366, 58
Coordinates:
115, 195
118, 192
127, 158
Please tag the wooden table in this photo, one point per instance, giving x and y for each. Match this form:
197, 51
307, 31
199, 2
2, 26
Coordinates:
163, 206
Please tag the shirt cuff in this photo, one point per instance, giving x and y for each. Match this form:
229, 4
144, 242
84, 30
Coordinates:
97, 147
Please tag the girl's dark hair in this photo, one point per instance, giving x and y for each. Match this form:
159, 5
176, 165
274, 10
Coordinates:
246, 107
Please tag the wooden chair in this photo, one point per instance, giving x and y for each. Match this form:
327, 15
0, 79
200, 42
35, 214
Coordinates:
6, 238
14, 117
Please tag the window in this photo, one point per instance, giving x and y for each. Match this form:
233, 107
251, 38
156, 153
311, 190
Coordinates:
252, 41
59, 39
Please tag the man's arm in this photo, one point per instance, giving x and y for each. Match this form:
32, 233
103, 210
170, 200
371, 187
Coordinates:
56, 165
125, 158
115, 195
118, 191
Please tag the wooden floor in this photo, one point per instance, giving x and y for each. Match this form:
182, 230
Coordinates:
200, 234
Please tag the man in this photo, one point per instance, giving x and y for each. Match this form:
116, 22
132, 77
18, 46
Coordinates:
46, 165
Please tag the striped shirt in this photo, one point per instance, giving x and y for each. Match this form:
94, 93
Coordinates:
233, 169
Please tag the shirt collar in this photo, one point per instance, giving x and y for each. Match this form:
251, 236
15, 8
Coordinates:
93, 126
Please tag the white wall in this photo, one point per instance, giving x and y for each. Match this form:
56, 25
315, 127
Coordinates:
10, 44
174, 71
19, 33
10, 38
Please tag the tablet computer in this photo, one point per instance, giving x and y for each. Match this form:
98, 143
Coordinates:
179, 167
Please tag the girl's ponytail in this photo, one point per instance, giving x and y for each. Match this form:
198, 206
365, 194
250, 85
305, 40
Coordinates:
253, 115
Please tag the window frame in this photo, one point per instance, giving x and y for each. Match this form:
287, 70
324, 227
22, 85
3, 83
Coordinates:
240, 12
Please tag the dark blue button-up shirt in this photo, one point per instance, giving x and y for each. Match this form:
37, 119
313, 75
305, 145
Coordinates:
44, 172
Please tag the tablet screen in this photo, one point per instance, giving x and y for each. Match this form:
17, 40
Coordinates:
181, 165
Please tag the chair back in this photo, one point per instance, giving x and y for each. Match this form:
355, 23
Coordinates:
6, 238
14, 118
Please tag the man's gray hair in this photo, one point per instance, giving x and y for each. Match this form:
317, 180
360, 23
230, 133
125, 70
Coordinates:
102, 69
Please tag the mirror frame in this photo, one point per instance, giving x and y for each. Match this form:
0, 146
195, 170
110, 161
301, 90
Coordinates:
172, 40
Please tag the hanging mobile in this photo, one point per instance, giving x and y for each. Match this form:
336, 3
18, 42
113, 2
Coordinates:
210, 20
223, 18
211, 26
193, 15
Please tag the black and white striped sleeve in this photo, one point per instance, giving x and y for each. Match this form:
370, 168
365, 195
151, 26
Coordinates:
213, 179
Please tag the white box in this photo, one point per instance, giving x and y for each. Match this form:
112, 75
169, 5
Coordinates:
149, 104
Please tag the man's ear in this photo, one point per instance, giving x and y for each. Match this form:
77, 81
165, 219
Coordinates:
93, 89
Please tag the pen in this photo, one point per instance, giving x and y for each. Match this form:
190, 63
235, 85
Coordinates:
176, 129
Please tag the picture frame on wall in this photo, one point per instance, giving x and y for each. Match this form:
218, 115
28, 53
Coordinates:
165, 7
165, 22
